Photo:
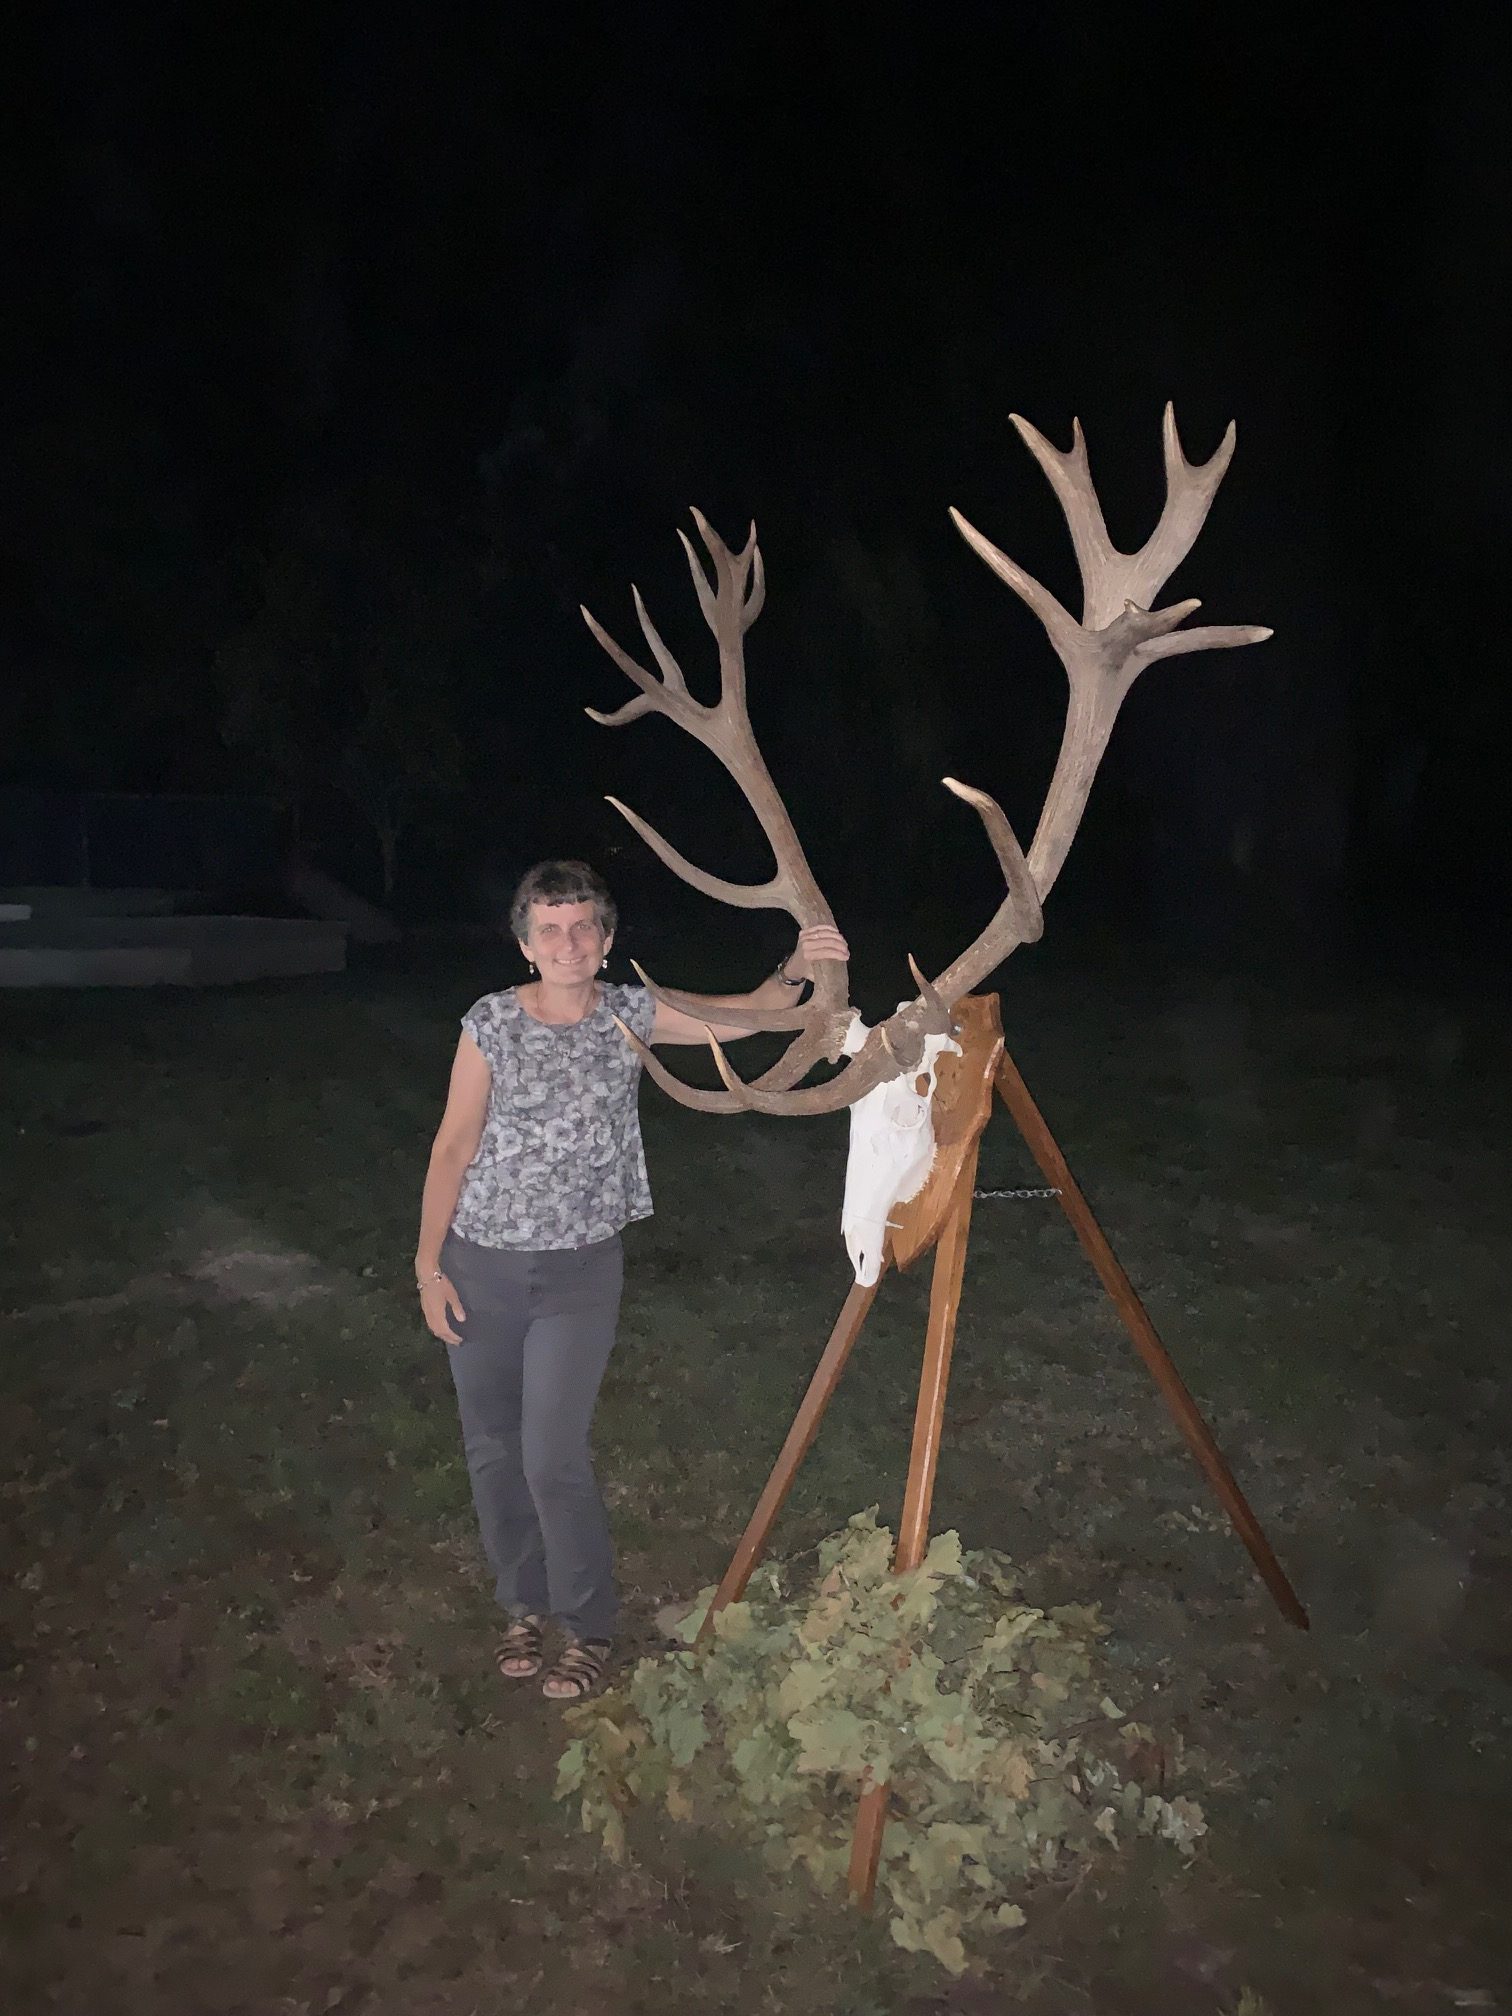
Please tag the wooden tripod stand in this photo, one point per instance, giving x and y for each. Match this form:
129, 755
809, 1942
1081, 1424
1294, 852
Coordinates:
940, 1217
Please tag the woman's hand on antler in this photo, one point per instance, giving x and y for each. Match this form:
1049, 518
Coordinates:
815, 941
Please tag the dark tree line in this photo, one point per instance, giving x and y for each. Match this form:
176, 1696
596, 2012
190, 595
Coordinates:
361, 354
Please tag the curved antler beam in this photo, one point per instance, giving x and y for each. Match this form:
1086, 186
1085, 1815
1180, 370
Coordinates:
873, 1062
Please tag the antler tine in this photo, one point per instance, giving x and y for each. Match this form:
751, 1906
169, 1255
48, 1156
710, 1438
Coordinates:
744, 895
1056, 618
643, 703
1070, 477
671, 670
649, 684
755, 601
1023, 896
775, 1020
1018, 919
719, 552
940, 1020
706, 597
1190, 490
1207, 637
693, 1096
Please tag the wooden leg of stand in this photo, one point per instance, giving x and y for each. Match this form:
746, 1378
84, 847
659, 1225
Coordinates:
923, 1464
1199, 1437
800, 1439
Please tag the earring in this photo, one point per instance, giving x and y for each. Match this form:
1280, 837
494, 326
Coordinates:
604, 963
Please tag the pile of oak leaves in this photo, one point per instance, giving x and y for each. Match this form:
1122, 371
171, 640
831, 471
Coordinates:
1009, 1762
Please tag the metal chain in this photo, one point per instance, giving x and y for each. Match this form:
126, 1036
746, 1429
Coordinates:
1030, 1191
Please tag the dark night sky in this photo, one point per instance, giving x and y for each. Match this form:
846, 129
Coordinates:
346, 325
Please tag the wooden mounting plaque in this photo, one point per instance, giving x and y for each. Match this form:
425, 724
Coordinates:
962, 1105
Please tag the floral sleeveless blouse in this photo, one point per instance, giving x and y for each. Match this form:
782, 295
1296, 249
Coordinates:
560, 1163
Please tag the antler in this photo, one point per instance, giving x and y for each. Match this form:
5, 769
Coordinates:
1118, 636
730, 607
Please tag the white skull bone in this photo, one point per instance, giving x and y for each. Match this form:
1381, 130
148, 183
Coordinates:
892, 1149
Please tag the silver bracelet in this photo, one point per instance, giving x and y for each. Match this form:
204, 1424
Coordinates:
785, 977
423, 1281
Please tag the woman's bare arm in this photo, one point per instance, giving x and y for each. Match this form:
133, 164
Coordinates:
454, 1147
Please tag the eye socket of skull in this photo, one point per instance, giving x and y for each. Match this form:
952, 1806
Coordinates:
921, 1084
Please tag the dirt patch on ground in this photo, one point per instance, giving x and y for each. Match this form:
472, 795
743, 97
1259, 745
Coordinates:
221, 1259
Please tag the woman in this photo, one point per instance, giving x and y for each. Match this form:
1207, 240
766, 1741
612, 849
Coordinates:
537, 1167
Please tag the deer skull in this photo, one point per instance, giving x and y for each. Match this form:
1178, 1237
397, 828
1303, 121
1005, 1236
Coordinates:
892, 1148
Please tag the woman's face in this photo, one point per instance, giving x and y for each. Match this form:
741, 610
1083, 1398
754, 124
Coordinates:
565, 941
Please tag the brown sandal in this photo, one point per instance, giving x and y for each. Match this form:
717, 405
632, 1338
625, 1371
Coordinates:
579, 1667
522, 1649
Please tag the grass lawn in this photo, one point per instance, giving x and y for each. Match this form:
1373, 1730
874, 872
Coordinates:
259, 1760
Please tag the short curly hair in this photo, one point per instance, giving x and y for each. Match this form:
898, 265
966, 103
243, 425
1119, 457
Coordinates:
561, 882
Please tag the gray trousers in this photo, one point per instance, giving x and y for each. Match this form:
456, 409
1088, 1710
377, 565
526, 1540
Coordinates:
536, 1338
